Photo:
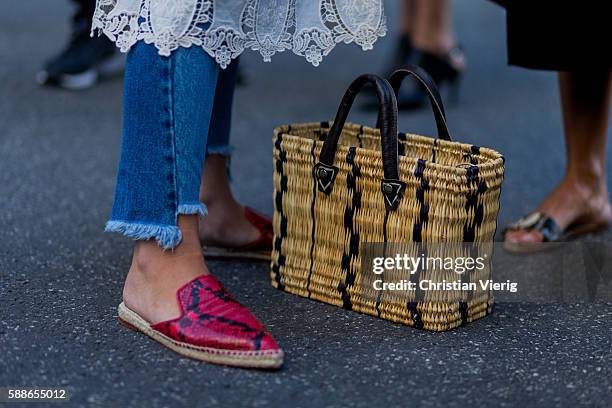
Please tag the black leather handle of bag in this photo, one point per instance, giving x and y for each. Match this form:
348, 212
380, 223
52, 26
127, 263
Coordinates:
429, 84
325, 172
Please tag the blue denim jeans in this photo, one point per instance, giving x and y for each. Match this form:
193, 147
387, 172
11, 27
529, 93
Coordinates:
177, 110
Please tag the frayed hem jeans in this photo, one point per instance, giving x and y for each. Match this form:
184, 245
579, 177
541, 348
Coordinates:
177, 110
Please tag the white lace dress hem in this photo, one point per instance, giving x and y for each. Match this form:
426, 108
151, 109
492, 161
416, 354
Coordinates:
226, 28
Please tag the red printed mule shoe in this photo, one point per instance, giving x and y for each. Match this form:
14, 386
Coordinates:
213, 327
260, 249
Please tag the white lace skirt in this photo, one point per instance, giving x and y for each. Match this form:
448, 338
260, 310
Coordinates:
225, 28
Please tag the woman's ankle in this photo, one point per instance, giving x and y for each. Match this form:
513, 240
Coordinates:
577, 199
226, 225
151, 285
156, 275
437, 44
589, 181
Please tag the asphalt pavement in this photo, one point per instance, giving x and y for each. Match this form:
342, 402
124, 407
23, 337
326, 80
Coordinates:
61, 276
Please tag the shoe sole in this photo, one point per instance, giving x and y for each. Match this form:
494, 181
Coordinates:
569, 235
267, 359
86, 79
71, 82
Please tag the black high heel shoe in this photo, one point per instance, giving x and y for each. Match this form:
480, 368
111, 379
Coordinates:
442, 69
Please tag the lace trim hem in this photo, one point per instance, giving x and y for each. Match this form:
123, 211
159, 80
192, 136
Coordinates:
189, 23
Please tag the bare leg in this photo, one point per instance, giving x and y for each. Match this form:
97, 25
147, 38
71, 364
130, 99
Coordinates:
225, 225
404, 47
155, 275
432, 29
585, 99
409, 11
582, 196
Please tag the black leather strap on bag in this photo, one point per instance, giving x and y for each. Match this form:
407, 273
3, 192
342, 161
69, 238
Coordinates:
428, 83
325, 172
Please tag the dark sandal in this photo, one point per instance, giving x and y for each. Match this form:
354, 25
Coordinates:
259, 250
550, 230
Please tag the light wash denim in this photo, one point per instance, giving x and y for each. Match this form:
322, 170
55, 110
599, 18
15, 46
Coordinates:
177, 110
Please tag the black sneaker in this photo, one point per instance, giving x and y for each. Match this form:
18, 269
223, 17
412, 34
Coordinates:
84, 61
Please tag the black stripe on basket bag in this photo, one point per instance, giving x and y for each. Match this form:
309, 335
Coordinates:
472, 206
279, 262
417, 236
314, 222
427, 82
401, 147
423, 216
434, 149
349, 216
384, 254
323, 130
413, 307
474, 151
360, 136
325, 172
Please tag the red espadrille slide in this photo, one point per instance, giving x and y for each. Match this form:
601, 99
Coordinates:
260, 249
213, 327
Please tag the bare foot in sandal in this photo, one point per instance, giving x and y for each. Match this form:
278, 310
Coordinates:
572, 207
230, 230
580, 203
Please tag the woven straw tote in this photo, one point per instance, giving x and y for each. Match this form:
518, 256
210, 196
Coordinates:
340, 186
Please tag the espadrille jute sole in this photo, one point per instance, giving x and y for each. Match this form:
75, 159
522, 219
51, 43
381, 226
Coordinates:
267, 359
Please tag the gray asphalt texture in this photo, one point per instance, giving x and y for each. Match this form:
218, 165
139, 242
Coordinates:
61, 276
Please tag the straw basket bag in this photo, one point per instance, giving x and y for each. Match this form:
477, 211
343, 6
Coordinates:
338, 187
